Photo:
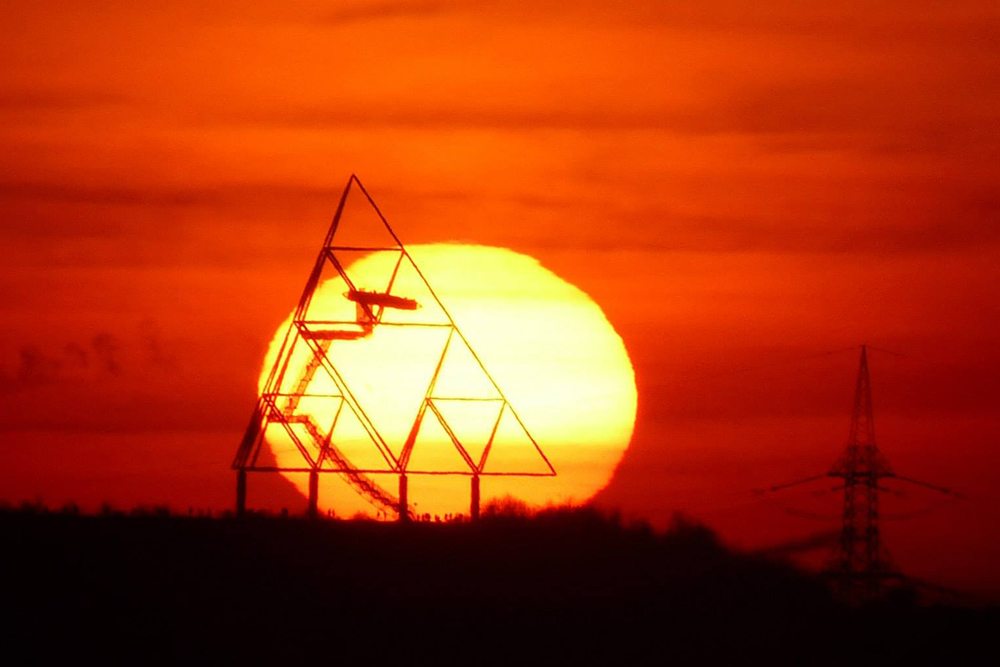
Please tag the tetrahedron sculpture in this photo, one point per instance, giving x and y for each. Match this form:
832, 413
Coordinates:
334, 417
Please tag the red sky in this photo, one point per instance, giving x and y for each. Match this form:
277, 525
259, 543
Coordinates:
738, 185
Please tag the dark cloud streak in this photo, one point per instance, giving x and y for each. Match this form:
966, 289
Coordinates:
155, 196
381, 11
34, 101
951, 219
103, 357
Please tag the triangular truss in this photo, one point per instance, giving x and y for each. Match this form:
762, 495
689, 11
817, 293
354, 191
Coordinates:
311, 396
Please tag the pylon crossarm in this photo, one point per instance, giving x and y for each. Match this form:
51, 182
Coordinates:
883, 489
779, 487
933, 487
858, 475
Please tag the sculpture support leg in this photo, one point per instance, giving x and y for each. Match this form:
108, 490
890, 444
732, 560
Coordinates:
313, 493
474, 509
404, 510
241, 492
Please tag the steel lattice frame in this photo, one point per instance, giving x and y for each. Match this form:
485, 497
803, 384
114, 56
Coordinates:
861, 562
277, 406
861, 565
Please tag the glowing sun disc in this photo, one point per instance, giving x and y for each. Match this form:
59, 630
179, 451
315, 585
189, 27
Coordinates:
548, 346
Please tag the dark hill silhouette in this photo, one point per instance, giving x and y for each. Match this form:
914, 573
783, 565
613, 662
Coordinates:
564, 586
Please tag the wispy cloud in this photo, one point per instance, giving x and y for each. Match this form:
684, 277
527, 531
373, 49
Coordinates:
57, 100
383, 10
75, 361
101, 357
946, 218
157, 196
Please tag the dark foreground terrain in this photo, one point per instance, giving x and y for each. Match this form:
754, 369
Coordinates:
563, 587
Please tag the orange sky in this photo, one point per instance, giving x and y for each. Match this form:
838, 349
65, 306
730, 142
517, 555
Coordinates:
736, 184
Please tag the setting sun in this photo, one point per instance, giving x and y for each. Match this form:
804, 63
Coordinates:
546, 344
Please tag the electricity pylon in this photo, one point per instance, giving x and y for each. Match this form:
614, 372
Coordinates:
861, 565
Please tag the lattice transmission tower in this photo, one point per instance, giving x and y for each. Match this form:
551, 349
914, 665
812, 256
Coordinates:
861, 565
335, 417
